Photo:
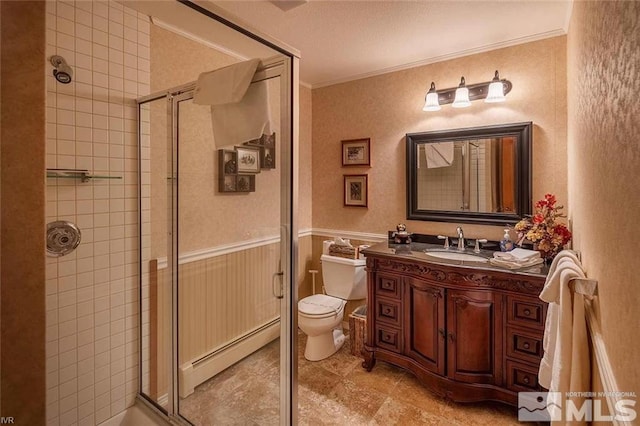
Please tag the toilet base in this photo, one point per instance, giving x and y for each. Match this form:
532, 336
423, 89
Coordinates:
324, 345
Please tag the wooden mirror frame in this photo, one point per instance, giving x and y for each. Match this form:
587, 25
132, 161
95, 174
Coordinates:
523, 134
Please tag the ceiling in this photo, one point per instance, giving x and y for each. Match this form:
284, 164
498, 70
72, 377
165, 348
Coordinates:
346, 40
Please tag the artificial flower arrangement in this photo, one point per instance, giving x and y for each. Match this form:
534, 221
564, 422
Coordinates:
547, 236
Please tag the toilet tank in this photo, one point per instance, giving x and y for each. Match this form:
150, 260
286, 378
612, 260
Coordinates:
344, 278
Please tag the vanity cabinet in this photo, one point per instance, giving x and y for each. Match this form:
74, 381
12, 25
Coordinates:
469, 334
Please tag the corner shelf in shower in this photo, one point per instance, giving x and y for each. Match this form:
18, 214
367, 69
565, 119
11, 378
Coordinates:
83, 175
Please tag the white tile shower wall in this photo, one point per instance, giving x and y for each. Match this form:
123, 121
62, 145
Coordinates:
92, 296
444, 191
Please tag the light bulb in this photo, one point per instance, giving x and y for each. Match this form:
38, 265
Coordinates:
431, 100
496, 90
462, 96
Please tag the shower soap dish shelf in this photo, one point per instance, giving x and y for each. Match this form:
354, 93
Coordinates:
83, 175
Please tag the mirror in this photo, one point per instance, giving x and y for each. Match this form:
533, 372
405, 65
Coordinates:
475, 175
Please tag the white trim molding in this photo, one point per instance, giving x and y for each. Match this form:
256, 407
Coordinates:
612, 391
364, 236
202, 254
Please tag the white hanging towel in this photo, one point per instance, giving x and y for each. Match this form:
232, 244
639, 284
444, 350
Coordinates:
239, 109
565, 366
225, 85
439, 154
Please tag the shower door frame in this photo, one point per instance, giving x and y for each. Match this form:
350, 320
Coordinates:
276, 67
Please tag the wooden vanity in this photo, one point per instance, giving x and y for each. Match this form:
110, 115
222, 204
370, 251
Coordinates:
469, 331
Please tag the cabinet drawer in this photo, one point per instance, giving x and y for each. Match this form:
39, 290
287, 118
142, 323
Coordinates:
527, 312
525, 345
522, 377
388, 310
388, 286
388, 338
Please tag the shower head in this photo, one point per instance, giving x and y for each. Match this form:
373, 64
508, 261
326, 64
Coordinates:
63, 71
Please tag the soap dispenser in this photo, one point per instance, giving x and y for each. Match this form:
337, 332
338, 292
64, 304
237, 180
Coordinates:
506, 244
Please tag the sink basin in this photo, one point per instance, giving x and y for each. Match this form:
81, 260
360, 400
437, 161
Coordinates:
452, 255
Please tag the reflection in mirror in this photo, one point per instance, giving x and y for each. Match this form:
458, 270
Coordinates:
479, 175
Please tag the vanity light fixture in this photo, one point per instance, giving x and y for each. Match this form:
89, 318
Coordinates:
461, 96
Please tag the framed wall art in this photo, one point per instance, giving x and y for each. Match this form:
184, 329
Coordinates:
356, 152
229, 181
356, 192
248, 158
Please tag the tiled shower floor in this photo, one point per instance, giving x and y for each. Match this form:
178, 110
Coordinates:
335, 391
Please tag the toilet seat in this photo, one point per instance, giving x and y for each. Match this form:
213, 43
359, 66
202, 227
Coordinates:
320, 306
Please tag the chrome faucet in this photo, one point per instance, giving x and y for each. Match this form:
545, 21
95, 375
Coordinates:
460, 238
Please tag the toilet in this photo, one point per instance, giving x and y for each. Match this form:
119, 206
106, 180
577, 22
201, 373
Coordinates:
320, 315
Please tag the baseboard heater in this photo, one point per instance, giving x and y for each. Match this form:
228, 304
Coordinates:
198, 371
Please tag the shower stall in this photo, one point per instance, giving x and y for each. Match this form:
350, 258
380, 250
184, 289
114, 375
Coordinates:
218, 243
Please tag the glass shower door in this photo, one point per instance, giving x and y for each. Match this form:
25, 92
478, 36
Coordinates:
232, 263
216, 253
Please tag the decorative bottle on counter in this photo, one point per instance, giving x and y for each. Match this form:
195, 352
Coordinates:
506, 244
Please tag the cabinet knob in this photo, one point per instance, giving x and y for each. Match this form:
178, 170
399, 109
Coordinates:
527, 312
526, 345
443, 334
452, 337
386, 310
526, 380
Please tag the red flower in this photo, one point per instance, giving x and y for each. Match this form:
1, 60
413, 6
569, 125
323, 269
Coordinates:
551, 199
538, 218
540, 204
564, 233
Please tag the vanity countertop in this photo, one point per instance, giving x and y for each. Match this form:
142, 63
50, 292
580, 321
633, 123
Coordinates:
416, 251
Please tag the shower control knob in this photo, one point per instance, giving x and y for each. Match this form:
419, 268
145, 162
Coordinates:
62, 238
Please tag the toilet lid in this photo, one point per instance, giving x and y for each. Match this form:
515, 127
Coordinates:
320, 304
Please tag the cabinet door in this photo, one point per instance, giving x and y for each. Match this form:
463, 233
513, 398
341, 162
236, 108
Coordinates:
424, 324
474, 336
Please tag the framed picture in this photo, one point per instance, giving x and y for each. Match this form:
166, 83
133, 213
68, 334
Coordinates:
355, 190
267, 157
356, 152
246, 183
227, 161
227, 184
248, 159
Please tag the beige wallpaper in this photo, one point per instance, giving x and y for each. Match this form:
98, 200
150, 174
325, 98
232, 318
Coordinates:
305, 251
22, 239
386, 107
209, 218
604, 168
176, 60
304, 160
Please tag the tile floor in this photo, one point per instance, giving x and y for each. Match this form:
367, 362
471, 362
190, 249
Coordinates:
334, 391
